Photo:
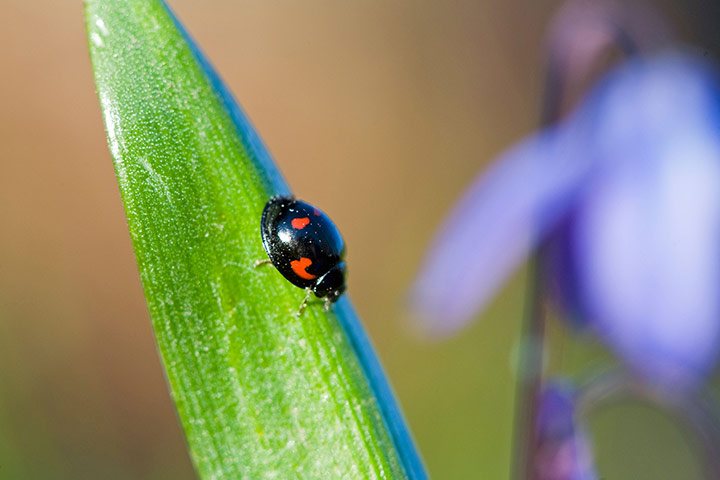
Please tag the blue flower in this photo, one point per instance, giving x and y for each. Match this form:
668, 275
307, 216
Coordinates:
626, 192
562, 449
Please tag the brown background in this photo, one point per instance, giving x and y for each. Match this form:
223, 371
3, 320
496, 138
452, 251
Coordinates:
380, 112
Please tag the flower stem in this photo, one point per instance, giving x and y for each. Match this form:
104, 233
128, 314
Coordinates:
606, 28
529, 372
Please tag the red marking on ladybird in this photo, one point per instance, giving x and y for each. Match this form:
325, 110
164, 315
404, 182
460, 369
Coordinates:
300, 223
300, 266
316, 212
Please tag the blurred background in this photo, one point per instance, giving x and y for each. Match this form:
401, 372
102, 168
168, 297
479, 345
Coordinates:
381, 113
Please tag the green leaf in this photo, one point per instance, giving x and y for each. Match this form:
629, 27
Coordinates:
260, 392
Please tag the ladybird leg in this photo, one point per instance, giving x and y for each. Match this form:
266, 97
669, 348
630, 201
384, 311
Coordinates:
304, 302
326, 307
261, 262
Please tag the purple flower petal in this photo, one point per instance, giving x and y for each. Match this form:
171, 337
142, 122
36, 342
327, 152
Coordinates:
562, 448
639, 167
561, 272
493, 227
647, 235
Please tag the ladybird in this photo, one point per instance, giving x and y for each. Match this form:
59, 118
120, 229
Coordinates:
306, 248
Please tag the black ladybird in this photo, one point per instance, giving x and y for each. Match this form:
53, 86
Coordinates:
305, 246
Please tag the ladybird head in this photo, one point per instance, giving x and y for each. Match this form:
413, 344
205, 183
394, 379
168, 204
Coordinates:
332, 284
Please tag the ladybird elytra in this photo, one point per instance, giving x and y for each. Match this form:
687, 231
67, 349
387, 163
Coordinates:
305, 246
